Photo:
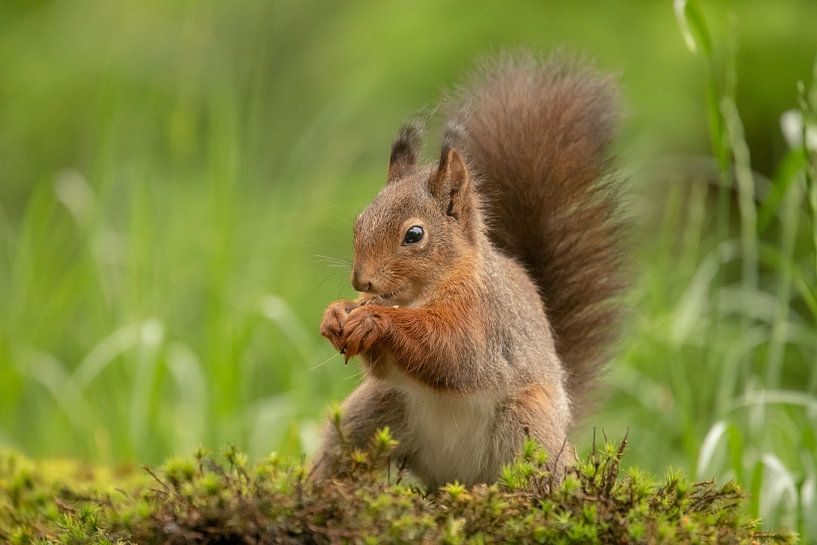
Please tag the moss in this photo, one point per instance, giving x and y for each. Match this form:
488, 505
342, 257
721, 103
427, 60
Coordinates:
225, 499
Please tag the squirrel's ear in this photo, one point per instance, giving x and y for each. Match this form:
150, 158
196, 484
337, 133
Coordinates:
451, 184
404, 151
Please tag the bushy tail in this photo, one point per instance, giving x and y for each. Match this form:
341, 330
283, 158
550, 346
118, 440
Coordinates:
539, 135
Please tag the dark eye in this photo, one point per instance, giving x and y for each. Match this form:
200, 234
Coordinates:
414, 234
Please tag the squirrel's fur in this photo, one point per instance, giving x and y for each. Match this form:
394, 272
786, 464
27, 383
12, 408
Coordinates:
487, 277
540, 137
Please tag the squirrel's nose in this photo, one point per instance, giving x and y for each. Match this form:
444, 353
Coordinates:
359, 283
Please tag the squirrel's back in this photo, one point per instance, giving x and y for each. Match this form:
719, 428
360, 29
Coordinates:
538, 134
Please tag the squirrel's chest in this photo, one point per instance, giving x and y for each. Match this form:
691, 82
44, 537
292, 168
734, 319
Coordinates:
452, 434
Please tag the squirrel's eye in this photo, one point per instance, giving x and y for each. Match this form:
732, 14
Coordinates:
413, 235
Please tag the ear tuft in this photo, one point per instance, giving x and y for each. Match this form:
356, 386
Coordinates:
452, 174
404, 151
451, 183
454, 133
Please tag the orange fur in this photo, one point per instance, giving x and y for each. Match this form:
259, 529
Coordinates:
426, 341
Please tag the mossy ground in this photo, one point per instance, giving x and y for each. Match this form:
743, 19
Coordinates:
225, 499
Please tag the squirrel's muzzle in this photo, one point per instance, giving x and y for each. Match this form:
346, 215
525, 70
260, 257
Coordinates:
359, 283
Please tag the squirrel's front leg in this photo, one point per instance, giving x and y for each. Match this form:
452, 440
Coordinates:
426, 344
334, 318
364, 326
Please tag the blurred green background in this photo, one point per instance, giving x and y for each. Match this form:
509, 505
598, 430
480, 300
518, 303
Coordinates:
178, 182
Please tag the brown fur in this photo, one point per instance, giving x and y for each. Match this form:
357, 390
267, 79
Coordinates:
456, 328
540, 137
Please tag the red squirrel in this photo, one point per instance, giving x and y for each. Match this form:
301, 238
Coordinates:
487, 278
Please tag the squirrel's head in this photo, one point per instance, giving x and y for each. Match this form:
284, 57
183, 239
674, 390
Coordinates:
420, 226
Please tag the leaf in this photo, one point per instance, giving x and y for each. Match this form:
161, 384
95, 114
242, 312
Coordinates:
693, 26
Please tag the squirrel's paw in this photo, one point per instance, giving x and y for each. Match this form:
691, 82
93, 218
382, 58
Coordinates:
333, 321
364, 327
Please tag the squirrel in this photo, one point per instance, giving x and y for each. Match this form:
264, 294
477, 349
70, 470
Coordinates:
487, 279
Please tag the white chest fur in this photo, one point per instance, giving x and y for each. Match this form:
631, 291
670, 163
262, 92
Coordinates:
453, 433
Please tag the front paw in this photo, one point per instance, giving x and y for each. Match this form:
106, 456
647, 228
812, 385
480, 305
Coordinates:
333, 321
364, 327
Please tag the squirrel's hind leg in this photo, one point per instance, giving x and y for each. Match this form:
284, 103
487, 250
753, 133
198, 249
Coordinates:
372, 406
540, 412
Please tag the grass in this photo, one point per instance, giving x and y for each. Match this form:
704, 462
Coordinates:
741, 345
178, 182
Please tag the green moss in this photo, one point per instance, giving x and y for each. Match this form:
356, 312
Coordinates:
207, 499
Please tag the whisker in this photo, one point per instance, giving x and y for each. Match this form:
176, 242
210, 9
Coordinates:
324, 362
334, 261
333, 275
356, 375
